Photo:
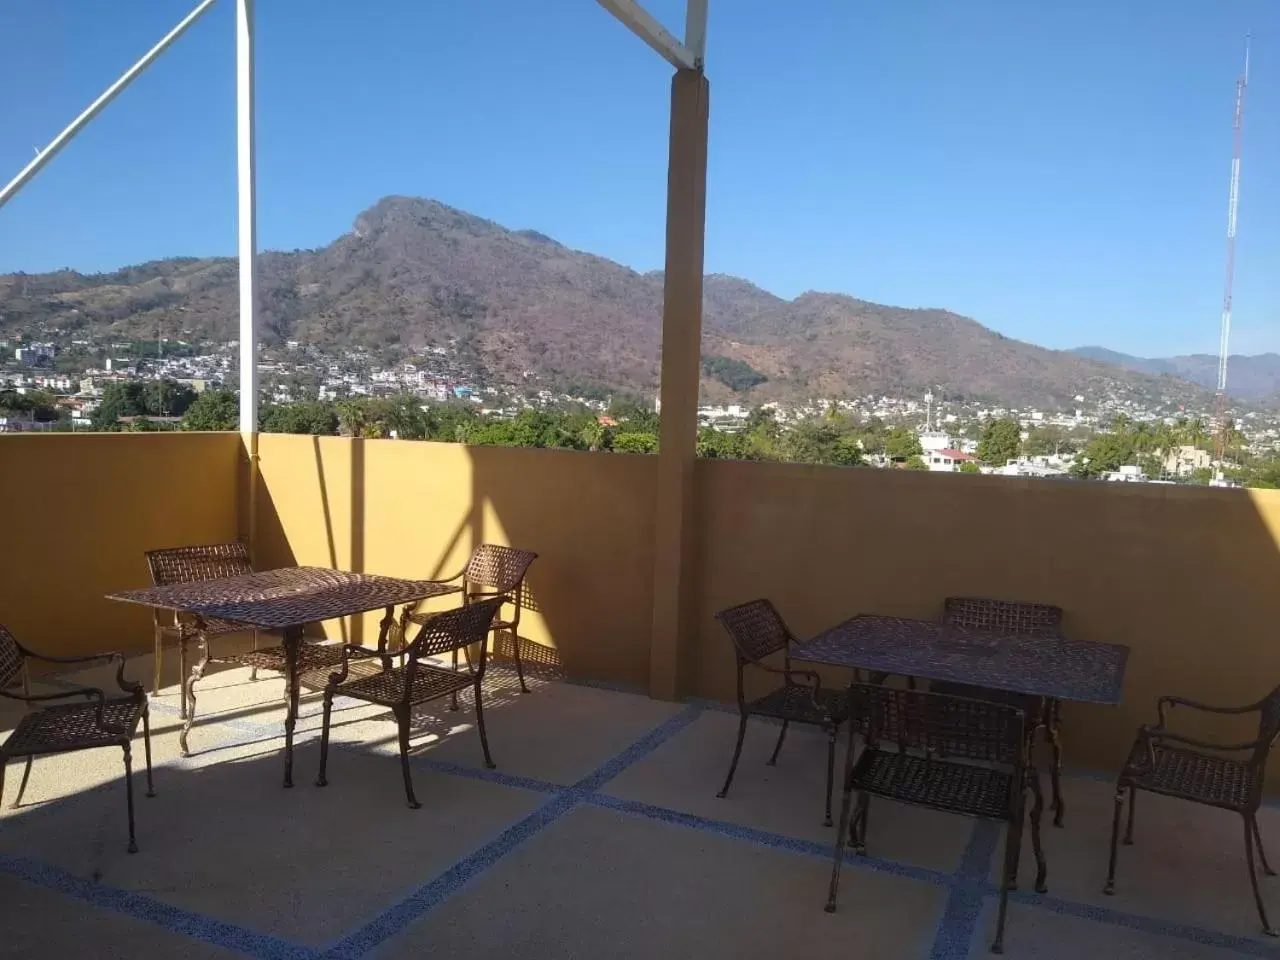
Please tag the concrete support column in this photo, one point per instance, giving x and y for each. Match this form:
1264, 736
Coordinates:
673, 573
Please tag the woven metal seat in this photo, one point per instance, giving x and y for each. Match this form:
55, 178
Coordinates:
401, 688
929, 782
388, 687
99, 721
1014, 620
1189, 775
759, 632
1229, 776
801, 704
492, 571
949, 753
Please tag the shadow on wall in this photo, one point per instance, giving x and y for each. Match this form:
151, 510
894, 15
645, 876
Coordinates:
417, 509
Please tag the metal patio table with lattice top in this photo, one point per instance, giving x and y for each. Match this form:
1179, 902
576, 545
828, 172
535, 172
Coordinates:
1084, 671
284, 601
1052, 667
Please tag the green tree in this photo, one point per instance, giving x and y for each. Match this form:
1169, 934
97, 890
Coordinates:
1104, 453
999, 442
915, 463
718, 445
969, 467
120, 398
166, 398
902, 443
213, 410
734, 374
635, 442
313, 417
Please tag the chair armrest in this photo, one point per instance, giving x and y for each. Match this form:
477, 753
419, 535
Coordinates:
360, 653
811, 676
128, 686
1165, 702
1153, 734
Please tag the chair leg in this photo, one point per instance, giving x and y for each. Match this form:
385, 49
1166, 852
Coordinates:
1015, 836
128, 792
832, 733
515, 645
4, 759
1262, 853
402, 717
1133, 806
22, 784
1253, 878
484, 738
858, 830
253, 670
453, 704
1109, 887
146, 748
1037, 811
737, 752
782, 735
1012, 850
846, 812
321, 781
1054, 736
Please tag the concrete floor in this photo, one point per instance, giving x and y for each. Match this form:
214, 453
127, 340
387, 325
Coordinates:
598, 835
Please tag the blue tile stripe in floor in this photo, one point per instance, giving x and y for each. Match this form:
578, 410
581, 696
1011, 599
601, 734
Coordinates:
959, 933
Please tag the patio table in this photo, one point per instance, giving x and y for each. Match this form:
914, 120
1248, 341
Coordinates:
1050, 667
1084, 671
286, 601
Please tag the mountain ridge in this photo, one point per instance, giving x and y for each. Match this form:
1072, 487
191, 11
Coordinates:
414, 273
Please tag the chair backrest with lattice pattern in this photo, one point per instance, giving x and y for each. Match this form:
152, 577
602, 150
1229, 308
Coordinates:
455, 629
938, 724
498, 569
11, 659
209, 561
756, 628
1004, 616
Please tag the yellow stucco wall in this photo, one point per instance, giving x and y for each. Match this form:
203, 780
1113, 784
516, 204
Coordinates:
1187, 577
416, 509
78, 513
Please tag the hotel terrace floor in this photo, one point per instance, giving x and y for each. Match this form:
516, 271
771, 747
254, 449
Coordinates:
598, 835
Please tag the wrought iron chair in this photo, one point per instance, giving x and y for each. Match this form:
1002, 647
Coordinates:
216, 561
492, 571
949, 753
759, 632
1021, 620
1200, 771
418, 681
101, 721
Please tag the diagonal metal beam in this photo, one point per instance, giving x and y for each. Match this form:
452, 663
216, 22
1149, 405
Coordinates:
91, 111
640, 22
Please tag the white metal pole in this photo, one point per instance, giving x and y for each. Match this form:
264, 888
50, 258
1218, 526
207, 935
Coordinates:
58, 142
247, 219
695, 30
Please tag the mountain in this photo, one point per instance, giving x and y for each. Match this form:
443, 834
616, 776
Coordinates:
414, 273
1248, 377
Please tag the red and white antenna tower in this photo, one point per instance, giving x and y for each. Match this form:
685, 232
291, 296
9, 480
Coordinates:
1233, 200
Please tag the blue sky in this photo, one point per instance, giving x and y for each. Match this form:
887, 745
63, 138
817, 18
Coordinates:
1056, 170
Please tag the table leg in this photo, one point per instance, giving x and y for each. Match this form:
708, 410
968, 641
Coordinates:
384, 632
189, 683
292, 648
